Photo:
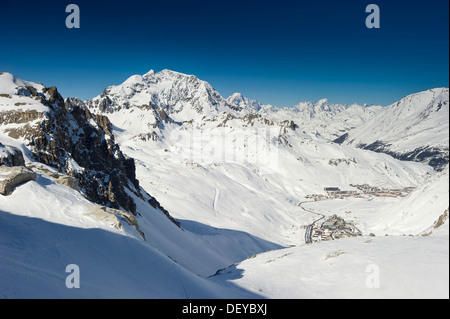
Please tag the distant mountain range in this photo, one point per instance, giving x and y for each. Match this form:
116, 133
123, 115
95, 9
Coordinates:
414, 128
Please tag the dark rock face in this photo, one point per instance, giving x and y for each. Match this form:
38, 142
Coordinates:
69, 138
77, 143
341, 139
435, 157
11, 156
81, 145
110, 176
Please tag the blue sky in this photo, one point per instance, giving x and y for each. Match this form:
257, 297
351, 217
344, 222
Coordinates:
279, 52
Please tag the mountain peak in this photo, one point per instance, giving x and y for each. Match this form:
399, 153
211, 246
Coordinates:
9, 84
149, 73
238, 100
236, 95
322, 101
134, 79
183, 97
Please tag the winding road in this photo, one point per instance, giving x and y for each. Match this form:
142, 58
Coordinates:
309, 228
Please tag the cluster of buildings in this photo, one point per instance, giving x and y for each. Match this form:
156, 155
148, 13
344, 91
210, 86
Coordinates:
363, 191
333, 228
382, 192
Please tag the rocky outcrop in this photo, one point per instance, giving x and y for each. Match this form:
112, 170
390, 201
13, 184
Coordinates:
78, 144
114, 217
67, 181
441, 220
10, 177
11, 156
438, 158
81, 145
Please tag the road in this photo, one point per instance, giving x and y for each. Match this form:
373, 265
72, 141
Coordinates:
309, 228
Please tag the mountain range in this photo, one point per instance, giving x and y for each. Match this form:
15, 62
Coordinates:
161, 188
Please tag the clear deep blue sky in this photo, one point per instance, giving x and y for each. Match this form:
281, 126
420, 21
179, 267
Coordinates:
279, 52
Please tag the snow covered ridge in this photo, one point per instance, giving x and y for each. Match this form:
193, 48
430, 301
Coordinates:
415, 128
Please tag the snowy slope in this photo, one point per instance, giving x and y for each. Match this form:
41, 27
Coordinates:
418, 212
412, 262
414, 128
45, 226
356, 268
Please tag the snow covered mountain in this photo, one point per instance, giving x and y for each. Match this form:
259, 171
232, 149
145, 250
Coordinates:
173, 96
229, 179
238, 100
183, 97
415, 128
204, 169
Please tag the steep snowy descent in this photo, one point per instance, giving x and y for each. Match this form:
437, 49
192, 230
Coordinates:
44, 227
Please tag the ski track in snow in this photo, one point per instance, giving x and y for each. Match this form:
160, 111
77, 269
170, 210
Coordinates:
216, 198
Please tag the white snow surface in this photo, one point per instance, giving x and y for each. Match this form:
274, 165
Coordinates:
46, 226
356, 268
